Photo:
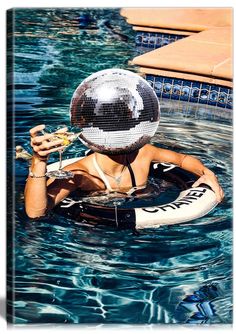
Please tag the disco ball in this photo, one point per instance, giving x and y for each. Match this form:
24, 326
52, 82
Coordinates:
117, 110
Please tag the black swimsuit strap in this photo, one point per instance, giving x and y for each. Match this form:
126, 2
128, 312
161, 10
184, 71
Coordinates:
131, 175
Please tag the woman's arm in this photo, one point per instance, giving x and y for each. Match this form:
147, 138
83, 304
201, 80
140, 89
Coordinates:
41, 195
190, 164
36, 189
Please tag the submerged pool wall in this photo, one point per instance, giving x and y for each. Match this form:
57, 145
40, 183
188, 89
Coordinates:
185, 53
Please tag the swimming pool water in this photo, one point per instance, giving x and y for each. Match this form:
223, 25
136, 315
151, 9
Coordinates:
70, 272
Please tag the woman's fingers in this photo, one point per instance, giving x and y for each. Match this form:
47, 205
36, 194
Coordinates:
44, 145
217, 191
222, 193
36, 129
62, 130
39, 139
213, 183
196, 183
47, 152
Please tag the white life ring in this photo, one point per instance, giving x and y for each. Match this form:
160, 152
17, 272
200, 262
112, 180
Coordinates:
191, 203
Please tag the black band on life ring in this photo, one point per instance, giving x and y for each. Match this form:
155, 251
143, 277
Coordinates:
127, 218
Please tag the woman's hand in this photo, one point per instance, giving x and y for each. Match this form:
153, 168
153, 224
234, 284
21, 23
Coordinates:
210, 179
43, 145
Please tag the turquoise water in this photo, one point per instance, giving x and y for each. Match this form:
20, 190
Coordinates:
71, 272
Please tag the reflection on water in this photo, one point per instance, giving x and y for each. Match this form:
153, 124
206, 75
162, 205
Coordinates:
71, 272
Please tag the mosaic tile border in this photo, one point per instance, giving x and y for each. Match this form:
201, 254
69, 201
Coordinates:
155, 40
191, 91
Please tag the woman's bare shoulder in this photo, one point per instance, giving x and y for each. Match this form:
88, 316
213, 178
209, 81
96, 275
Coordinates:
153, 153
81, 165
148, 149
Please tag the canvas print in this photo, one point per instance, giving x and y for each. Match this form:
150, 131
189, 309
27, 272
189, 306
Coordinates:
119, 166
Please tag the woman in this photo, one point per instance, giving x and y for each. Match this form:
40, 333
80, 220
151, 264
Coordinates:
118, 112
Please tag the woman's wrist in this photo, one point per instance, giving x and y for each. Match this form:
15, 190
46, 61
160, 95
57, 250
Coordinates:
36, 176
38, 158
207, 171
38, 167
